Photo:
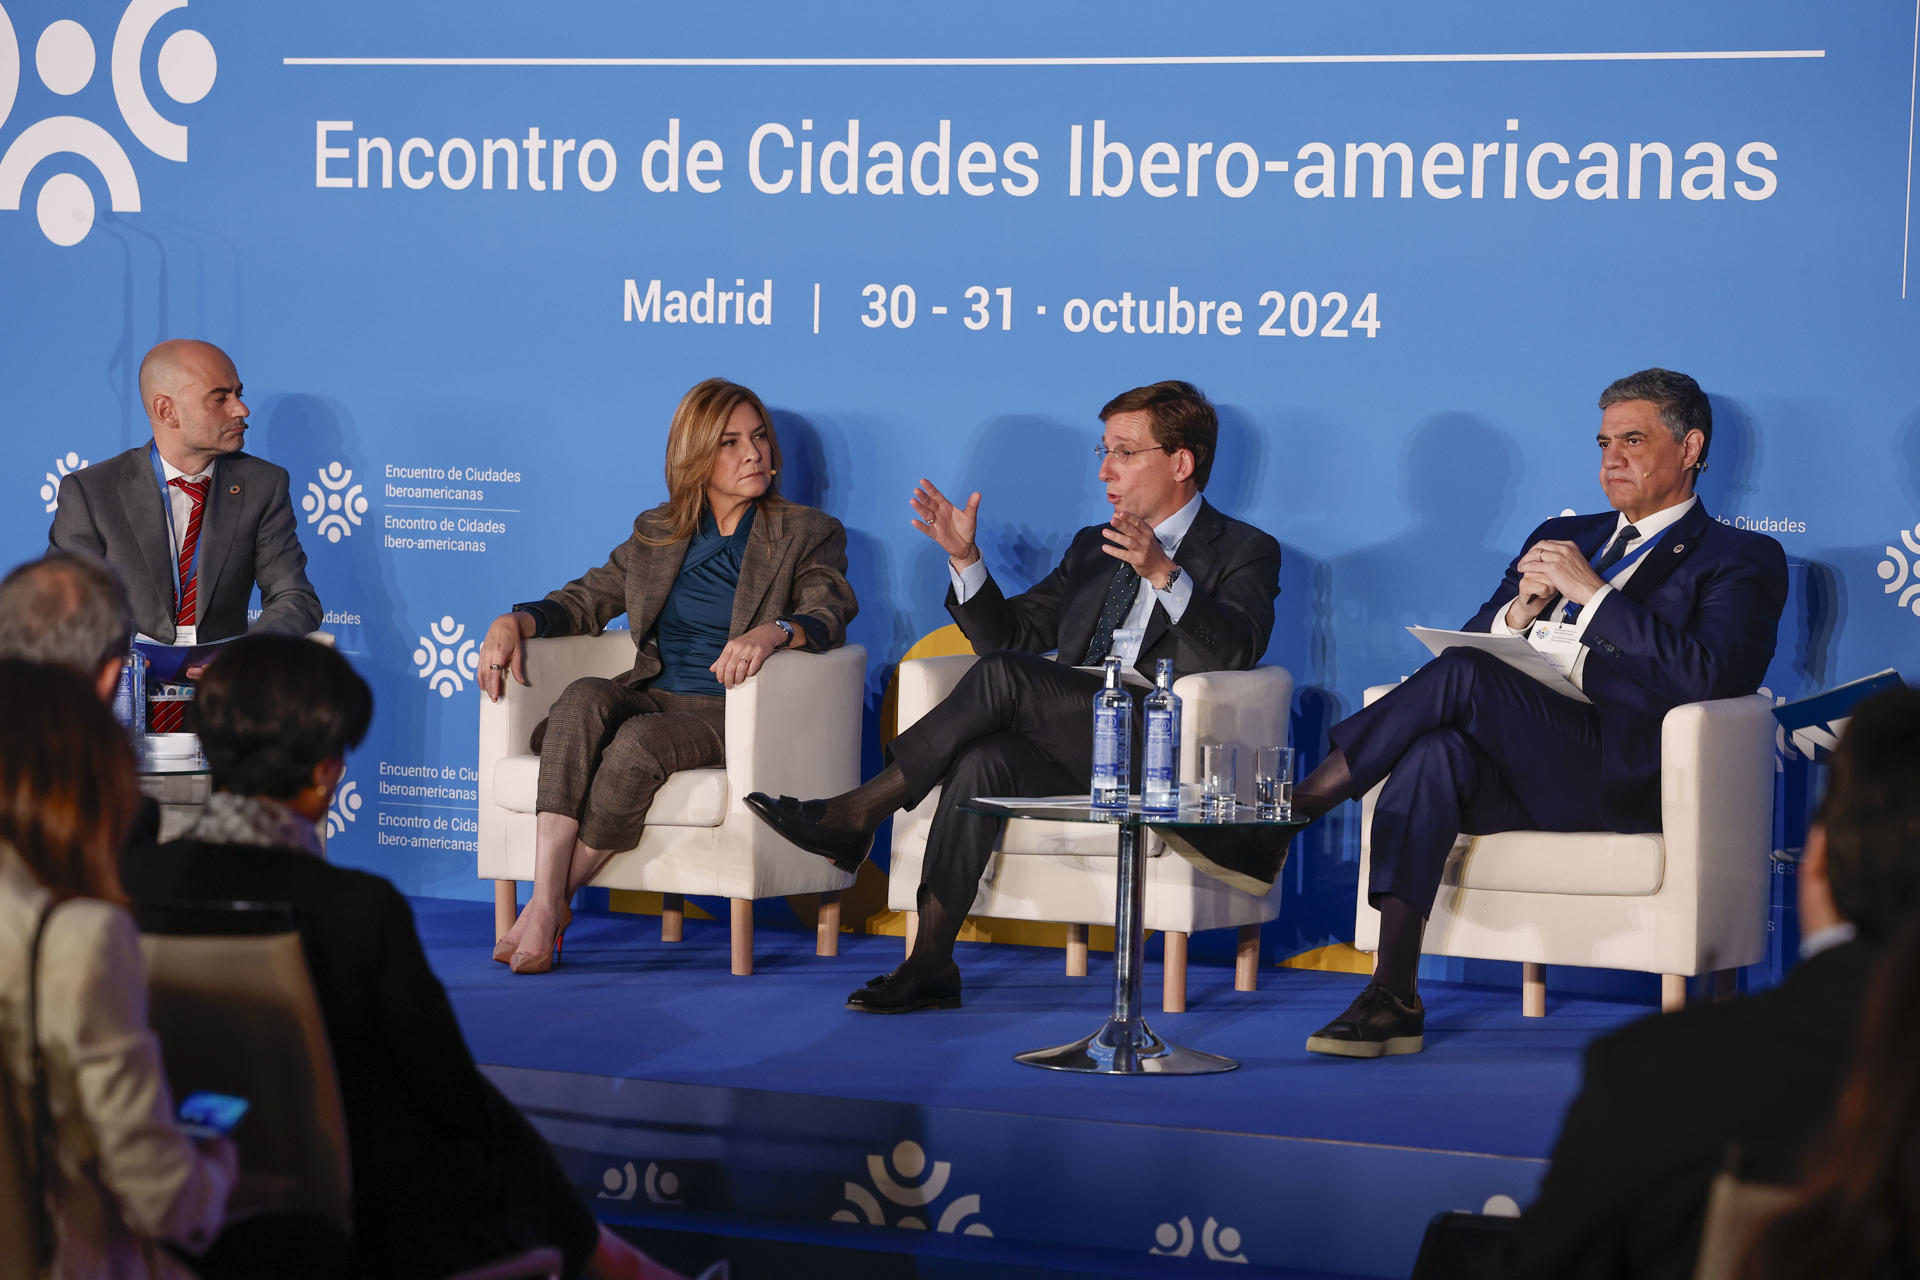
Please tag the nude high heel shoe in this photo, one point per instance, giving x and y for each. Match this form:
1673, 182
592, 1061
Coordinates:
503, 950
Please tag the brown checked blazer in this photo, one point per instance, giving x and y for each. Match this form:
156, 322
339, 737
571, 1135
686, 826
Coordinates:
795, 567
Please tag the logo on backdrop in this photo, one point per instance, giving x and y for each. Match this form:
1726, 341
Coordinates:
445, 660
335, 504
62, 467
65, 59
1901, 571
620, 1182
1175, 1240
345, 807
910, 1160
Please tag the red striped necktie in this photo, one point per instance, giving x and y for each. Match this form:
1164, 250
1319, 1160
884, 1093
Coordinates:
167, 716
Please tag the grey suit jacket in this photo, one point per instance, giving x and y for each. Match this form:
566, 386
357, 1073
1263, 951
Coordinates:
248, 535
795, 567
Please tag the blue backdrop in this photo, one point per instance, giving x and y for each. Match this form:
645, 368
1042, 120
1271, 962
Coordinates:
1421, 241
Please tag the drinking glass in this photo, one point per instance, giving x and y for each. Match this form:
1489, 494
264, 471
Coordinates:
1219, 776
1273, 783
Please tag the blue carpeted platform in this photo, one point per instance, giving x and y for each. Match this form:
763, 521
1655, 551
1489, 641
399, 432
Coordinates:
681, 1096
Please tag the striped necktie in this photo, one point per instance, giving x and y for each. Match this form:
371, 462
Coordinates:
167, 717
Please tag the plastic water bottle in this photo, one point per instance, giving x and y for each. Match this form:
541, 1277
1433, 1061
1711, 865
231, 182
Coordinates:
1160, 768
130, 695
1112, 741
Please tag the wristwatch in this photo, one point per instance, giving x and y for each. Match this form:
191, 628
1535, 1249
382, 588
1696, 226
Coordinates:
787, 627
1172, 577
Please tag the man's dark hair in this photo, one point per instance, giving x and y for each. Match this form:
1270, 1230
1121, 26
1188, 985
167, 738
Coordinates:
1871, 813
270, 708
1682, 404
66, 608
1182, 417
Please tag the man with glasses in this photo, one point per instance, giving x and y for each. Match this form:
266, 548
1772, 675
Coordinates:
1168, 576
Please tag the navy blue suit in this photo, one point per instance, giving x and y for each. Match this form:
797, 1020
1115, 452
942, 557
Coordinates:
1467, 744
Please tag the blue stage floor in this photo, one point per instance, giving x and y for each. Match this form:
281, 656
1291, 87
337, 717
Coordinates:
682, 1096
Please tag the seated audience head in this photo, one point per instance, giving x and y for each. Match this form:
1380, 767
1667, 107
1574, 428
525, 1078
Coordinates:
1862, 860
1158, 447
67, 786
720, 449
1655, 429
67, 608
276, 716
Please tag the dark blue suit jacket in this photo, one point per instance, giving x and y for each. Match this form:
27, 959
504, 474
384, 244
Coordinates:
1697, 620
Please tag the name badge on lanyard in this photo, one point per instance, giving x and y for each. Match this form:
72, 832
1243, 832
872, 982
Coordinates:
1558, 643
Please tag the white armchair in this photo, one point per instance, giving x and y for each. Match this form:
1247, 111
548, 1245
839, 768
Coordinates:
1686, 900
1075, 884
794, 728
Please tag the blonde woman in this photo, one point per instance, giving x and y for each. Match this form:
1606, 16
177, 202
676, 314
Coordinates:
713, 581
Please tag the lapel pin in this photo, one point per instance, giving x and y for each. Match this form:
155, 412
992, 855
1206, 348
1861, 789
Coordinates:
234, 488
1678, 547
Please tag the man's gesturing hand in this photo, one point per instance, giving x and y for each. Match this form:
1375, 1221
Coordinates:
1132, 539
950, 526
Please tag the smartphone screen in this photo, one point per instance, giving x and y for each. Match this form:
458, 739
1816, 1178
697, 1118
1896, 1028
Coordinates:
211, 1115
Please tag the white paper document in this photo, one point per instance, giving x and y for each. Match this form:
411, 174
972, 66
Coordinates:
1512, 650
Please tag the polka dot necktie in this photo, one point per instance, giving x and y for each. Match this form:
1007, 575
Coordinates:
1121, 589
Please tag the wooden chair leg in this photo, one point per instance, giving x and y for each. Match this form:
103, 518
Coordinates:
1533, 990
912, 919
506, 905
1173, 972
673, 917
742, 925
1246, 958
1673, 992
826, 925
1076, 951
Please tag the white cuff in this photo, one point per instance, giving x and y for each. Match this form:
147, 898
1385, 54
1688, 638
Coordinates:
1174, 599
968, 581
1499, 626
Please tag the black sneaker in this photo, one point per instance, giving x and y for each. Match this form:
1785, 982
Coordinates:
1376, 1024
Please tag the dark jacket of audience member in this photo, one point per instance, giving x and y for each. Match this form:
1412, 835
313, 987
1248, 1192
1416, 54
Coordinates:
446, 1173
1859, 1208
1668, 1100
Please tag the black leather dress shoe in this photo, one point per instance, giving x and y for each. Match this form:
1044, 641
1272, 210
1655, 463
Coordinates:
908, 990
1376, 1024
799, 821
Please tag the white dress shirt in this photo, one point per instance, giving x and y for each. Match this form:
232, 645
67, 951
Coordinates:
180, 504
1647, 530
968, 581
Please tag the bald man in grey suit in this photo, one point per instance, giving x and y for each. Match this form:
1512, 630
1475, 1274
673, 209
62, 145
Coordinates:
248, 531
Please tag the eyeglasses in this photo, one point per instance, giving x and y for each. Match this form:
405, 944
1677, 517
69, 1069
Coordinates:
1101, 452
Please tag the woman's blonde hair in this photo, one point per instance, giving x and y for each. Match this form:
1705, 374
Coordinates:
693, 441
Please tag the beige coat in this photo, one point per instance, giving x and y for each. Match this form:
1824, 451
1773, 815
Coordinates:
128, 1177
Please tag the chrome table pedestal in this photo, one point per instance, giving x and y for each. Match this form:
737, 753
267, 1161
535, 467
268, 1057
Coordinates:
1124, 1045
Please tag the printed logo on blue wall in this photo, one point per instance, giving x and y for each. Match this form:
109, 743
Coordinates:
620, 1182
1901, 571
345, 807
62, 467
910, 1160
65, 58
1176, 1240
445, 660
335, 503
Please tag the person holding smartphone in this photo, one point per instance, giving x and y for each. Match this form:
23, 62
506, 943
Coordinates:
84, 1081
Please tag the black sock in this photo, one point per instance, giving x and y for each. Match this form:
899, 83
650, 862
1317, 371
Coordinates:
1325, 787
1397, 965
939, 930
871, 803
